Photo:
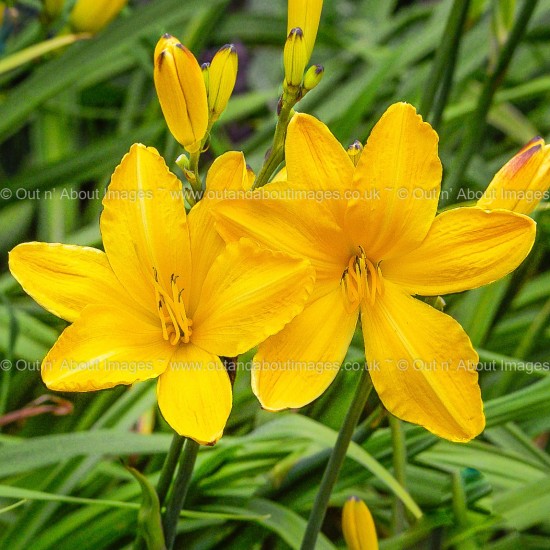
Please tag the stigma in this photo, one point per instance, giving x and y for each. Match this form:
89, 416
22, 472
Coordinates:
176, 326
361, 281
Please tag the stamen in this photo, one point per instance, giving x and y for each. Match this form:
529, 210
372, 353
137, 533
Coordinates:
174, 321
361, 280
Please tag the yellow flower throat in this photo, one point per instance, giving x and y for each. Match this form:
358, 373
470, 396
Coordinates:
361, 280
176, 326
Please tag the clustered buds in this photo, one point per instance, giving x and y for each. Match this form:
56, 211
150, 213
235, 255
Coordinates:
90, 15
182, 93
302, 25
358, 526
192, 98
522, 182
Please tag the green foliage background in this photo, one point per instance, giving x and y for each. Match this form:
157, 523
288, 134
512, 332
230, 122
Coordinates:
66, 120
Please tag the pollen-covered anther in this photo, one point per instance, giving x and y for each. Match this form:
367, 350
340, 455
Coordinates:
176, 326
361, 280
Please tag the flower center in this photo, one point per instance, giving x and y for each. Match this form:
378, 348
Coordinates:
176, 326
361, 280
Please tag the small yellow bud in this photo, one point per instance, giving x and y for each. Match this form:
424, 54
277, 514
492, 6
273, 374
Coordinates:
358, 526
222, 76
181, 91
313, 76
53, 8
305, 14
354, 152
92, 15
183, 161
295, 58
522, 182
205, 68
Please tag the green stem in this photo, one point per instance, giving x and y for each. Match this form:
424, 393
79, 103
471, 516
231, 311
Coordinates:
447, 50
277, 152
336, 461
169, 467
448, 75
179, 492
475, 130
399, 467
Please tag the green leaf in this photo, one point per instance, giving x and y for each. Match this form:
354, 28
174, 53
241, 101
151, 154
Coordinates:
149, 519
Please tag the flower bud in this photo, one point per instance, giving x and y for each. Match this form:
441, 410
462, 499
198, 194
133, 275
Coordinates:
205, 68
522, 182
181, 92
313, 76
221, 79
295, 58
305, 14
92, 15
354, 152
358, 526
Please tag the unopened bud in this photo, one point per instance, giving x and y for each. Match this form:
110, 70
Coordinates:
354, 152
181, 91
295, 58
222, 76
313, 76
92, 15
306, 15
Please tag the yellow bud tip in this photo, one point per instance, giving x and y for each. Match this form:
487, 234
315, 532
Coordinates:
91, 16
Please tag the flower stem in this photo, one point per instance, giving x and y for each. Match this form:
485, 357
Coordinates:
277, 152
399, 466
446, 51
336, 460
169, 467
179, 492
475, 129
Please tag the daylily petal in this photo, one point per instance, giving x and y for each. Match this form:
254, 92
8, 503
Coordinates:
465, 248
399, 175
144, 226
315, 159
227, 174
65, 278
104, 347
250, 293
194, 394
288, 217
422, 365
297, 365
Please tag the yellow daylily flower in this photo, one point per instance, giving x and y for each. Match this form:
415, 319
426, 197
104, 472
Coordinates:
166, 299
222, 75
372, 235
305, 14
181, 91
522, 182
358, 526
93, 15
